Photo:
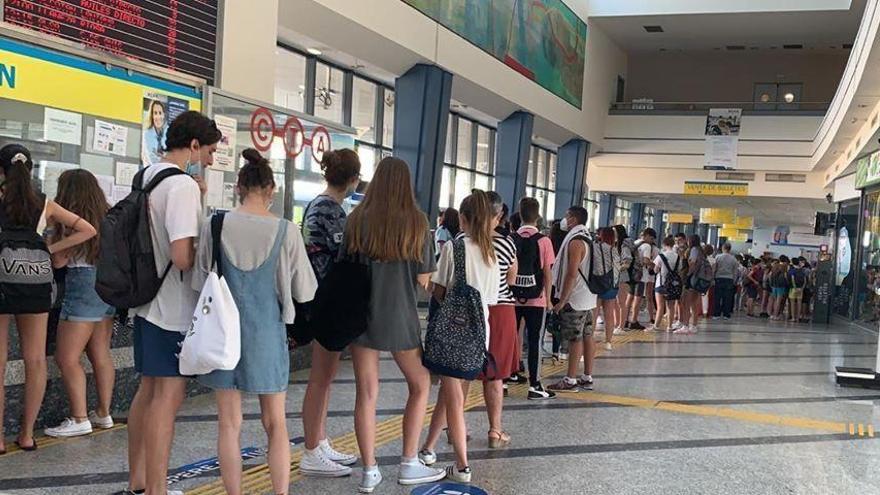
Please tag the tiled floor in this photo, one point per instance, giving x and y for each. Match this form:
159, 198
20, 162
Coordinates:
724, 412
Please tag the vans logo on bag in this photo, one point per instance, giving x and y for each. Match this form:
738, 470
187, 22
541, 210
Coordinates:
26, 267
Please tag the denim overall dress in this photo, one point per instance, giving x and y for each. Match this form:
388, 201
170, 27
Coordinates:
264, 367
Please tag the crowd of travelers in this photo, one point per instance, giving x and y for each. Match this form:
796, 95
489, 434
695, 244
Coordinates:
495, 282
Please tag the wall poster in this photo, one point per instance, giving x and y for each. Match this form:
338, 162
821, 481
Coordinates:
158, 111
722, 138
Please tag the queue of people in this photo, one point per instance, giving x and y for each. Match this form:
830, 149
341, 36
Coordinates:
495, 273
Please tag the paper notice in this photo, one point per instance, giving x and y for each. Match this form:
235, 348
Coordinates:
214, 180
106, 182
224, 157
62, 127
125, 173
49, 174
110, 138
119, 193
228, 195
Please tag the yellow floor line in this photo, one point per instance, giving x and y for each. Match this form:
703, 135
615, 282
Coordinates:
44, 441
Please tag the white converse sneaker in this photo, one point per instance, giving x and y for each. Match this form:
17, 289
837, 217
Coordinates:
315, 463
608, 346
459, 475
370, 479
428, 457
619, 331
415, 472
676, 325
336, 456
104, 423
70, 428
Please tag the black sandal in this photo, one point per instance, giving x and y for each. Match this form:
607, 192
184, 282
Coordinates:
29, 448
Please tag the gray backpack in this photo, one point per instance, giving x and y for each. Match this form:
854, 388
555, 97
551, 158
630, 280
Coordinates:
455, 344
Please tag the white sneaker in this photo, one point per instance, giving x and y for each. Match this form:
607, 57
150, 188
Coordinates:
608, 346
415, 472
173, 492
676, 326
336, 456
104, 423
428, 457
693, 329
458, 475
370, 479
651, 328
682, 331
70, 428
619, 331
563, 356
315, 463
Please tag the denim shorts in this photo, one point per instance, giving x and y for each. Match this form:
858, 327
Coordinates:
156, 350
780, 291
609, 295
81, 302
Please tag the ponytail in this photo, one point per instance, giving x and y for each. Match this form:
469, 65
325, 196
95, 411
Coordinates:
19, 199
478, 211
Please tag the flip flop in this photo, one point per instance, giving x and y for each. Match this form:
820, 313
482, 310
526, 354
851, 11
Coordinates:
29, 448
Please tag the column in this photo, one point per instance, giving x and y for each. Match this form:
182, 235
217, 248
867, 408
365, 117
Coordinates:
247, 55
658, 221
637, 214
703, 232
514, 138
606, 209
421, 114
571, 168
713, 236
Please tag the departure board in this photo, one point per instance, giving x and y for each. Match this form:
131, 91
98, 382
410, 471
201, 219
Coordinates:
178, 34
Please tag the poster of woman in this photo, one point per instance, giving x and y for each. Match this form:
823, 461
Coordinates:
158, 111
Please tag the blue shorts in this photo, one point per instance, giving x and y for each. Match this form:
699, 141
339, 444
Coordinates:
780, 292
81, 302
156, 350
609, 295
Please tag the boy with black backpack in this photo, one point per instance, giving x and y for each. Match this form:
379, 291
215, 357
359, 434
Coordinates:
170, 196
534, 254
798, 278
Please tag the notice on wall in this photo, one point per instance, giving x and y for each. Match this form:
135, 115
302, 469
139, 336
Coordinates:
722, 138
106, 182
110, 138
119, 193
214, 181
125, 173
228, 196
50, 172
224, 157
62, 126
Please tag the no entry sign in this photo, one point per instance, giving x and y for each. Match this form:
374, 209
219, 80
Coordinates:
292, 133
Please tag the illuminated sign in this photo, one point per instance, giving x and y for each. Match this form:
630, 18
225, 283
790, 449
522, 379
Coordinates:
716, 188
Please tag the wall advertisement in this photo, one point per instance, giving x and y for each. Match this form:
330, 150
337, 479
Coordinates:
722, 138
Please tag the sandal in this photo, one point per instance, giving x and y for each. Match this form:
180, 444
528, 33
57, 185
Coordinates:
498, 439
29, 448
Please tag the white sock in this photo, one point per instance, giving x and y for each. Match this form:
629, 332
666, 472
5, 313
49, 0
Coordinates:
371, 469
409, 460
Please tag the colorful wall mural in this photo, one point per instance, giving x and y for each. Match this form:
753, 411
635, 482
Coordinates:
541, 39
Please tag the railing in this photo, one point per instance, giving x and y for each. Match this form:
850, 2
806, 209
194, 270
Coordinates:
641, 106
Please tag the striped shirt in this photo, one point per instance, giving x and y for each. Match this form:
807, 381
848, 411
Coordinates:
505, 254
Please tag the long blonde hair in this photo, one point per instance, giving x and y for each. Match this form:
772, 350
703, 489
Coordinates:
388, 225
478, 211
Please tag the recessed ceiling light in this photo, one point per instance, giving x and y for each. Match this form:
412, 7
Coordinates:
314, 51
653, 29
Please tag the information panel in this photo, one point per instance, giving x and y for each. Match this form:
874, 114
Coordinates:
177, 34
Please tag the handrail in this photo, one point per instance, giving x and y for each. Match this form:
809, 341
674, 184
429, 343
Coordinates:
646, 105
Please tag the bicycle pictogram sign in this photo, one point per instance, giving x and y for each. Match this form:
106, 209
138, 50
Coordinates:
293, 134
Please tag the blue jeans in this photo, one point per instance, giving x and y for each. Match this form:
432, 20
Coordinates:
724, 295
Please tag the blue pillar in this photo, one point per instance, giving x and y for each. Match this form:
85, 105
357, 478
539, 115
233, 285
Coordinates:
713, 236
514, 140
571, 168
703, 232
658, 221
637, 214
421, 114
606, 209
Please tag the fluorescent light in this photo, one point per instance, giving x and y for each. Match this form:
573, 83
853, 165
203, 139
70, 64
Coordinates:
314, 51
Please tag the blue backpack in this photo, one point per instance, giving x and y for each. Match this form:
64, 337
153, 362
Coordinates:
455, 344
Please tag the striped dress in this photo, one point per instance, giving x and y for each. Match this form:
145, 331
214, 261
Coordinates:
505, 254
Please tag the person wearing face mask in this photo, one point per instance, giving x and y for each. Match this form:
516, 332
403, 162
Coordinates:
323, 228
175, 212
264, 261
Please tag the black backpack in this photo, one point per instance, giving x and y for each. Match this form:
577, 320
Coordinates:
126, 268
340, 312
530, 276
455, 344
799, 275
601, 275
26, 276
672, 284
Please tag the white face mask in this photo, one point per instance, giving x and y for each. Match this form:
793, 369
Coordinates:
564, 225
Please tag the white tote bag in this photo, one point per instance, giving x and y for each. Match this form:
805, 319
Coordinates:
214, 340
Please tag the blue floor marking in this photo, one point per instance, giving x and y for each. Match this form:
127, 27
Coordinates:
212, 464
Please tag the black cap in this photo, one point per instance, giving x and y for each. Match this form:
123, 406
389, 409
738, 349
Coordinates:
12, 152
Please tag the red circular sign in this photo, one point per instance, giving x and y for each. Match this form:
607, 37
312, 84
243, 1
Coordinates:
320, 142
294, 137
262, 129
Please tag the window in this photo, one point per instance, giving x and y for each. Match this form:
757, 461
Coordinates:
622, 212
363, 109
290, 79
541, 180
388, 119
329, 95
469, 160
591, 203
647, 220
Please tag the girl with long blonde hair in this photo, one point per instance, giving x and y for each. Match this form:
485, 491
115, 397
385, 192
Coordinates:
389, 231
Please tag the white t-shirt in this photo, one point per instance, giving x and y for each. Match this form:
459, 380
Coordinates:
581, 298
647, 251
175, 213
671, 256
480, 275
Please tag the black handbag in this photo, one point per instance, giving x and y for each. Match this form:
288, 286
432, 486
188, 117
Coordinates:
340, 312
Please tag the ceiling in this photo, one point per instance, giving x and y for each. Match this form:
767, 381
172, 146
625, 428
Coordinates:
816, 30
767, 212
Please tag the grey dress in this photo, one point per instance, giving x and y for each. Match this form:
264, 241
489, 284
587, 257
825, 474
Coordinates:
394, 316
